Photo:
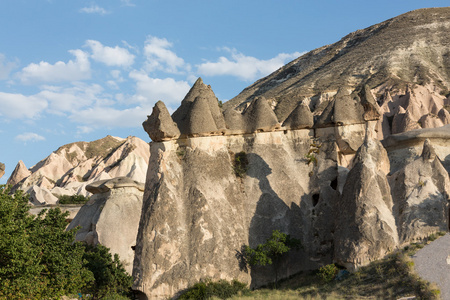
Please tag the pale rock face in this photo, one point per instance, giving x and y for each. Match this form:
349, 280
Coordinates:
421, 190
19, 173
2, 169
111, 217
76, 165
197, 213
159, 125
365, 225
41, 196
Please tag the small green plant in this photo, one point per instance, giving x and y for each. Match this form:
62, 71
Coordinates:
240, 166
220, 103
314, 149
421, 183
221, 289
73, 199
181, 153
327, 273
271, 251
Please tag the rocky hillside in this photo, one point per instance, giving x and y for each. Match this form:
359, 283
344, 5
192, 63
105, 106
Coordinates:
69, 169
336, 156
405, 62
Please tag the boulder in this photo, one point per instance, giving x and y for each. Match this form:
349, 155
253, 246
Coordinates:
421, 190
347, 108
160, 125
301, 117
111, 217
365, 225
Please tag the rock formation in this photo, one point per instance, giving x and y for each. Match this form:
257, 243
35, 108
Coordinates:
69, 169
421, 188
365, 226
160, 125
111, 217
367, 67
2, 169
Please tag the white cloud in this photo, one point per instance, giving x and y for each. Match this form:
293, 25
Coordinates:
127, 3
6, 67
60, 71
17, 106
29, 137
244, 67
159, 57
153, 89
94, 9
80, 95
116, 56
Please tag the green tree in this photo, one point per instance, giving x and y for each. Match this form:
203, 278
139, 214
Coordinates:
39, 259
110, 275
271, 251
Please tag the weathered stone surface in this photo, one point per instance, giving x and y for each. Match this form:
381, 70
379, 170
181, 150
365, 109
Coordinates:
160, 125
20, 172
370, 105
200, 118
41, 196
365, 225
234, 120
183, 114
301, 117
421, 190
197, 213
111, 217
259, 116
347, 108
2, 169
73, 166
404, 148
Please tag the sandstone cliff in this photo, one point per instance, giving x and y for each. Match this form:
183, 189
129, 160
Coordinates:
69, 169
2, 169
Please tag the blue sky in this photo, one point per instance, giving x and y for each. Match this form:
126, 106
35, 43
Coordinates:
75, 70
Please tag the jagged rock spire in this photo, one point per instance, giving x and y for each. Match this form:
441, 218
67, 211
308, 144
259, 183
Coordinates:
428, 152
160, 125
301, 117
20, 172
371, 108
183, 115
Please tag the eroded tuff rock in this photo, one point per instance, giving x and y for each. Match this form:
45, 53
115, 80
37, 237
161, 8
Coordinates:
75, 165
111, 217
193, 112
197, 213
160, 125
2, 169
20, 172
365, 225
421, 190
300, 118
259, 116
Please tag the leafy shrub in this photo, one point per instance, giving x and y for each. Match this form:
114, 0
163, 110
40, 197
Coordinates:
272, 250
73, 199
240, 166
327, 273
221, 289
111, 279
40, 260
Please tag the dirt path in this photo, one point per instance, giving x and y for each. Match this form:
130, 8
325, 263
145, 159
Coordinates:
432, 263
